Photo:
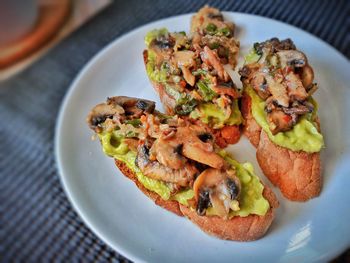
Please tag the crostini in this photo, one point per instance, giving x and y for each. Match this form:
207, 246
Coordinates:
281, 117
175, 162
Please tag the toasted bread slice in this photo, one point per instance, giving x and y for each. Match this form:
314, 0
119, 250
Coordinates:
297, 174
170, 205
238, 228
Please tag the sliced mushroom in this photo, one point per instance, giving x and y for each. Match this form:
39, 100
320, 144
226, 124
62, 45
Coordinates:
307, 76
184, 58
278, 90
291, 58
154, 169
259, 84
100, 113
296, 90
168, 152
133, 107
188, 76
219, 189
212, 59
120, 107
163, 42
226, 90
195, 149
279, 121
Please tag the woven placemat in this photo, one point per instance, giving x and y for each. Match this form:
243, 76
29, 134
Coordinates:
37, 221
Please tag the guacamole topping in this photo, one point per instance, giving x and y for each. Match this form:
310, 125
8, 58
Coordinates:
303, 137
157, 75
252, 57
213, 115
251, 198
114, 146
153, 34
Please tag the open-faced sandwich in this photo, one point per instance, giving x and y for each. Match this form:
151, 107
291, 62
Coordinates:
190, 78
175, 162
281, 117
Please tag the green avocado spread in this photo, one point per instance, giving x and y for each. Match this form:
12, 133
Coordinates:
155, 74
211, 114
303, 137
155, 33
251, 198
113, 146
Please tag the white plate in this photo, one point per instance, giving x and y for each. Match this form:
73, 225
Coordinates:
129, 222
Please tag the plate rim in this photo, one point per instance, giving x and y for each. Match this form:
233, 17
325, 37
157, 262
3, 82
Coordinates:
74, 84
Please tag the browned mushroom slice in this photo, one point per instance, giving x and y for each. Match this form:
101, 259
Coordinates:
218, 189
121, 107
226, 90
296, 90
259, 84
279, 121
100, 113
278, 91
307, 76
154, 169
291, 58
196, 149
168, 152
133, 107
188, 76
211, 58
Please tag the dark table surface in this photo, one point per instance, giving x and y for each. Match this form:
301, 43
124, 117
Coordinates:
37, 221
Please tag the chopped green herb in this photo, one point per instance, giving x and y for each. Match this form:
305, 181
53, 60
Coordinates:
211, 28
186, 107
131, 134
225, 31
206, 92
135, 122
199, 72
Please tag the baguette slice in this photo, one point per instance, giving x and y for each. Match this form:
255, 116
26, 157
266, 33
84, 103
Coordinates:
104, 117
238, 228
297, 174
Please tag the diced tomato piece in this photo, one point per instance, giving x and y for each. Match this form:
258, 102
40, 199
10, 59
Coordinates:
287, 118
231, 134
183, 83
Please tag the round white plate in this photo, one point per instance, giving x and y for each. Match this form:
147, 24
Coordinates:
129, 222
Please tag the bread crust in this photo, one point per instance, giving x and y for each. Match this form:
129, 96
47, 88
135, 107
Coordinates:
238, 228
170, 205
297, 174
